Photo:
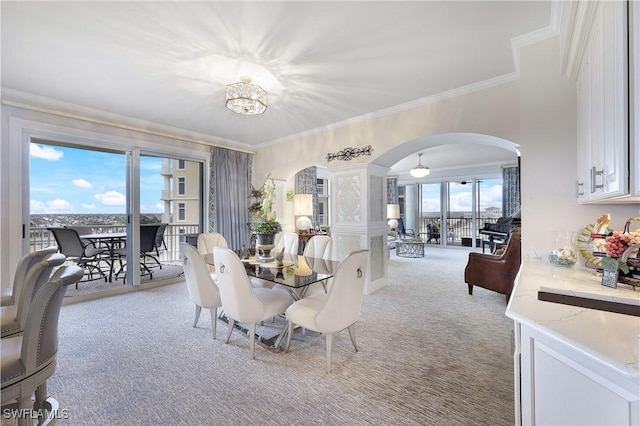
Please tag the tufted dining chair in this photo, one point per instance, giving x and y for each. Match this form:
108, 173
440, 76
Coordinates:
206, 243
11, 294
336, 310
201, 286
242, 302
29, 359
14, 317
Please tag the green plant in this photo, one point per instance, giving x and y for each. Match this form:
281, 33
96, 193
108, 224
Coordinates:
262, 208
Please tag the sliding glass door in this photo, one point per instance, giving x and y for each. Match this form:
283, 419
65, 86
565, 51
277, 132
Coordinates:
101, 191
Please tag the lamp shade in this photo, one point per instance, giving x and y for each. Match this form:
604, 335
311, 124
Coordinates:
419, 171
393, 211
303, 205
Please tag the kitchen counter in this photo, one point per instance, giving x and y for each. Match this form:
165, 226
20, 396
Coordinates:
574, 365
612, 337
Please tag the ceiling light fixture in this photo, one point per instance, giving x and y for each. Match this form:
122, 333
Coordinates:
246, 98
420, 171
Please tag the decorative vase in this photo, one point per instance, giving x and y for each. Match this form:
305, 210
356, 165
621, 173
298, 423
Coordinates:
264, 245
563, 250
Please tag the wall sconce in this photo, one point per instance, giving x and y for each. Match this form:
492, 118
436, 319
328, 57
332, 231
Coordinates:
393, 214
303, 207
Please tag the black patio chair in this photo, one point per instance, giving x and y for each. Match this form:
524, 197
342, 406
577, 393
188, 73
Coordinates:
147, 249
160, 244
87, 256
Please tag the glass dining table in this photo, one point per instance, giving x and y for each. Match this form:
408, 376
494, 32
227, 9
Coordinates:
295, 274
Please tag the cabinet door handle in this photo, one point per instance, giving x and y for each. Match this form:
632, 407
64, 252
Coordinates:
579, 188
593, 174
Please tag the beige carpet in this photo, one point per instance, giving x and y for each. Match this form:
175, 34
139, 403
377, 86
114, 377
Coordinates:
430, 354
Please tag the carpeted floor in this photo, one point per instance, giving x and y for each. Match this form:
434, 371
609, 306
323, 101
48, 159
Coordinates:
430, 354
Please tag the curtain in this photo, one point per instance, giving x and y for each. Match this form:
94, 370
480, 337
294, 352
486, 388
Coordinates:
392, 190
229, 196
511, 189
307, 183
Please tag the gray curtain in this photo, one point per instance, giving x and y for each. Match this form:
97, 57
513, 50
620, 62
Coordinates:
229, 196
511, 190
307, 183
392, 190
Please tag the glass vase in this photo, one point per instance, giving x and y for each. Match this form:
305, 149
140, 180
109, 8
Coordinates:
563, 250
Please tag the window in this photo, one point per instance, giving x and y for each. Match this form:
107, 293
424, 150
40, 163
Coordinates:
182, 186
182, 212
182, 165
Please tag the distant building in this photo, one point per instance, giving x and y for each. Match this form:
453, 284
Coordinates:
181, 191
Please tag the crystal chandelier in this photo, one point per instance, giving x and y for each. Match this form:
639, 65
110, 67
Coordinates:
246, 98
420, 171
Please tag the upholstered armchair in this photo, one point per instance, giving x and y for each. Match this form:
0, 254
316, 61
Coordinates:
495, 272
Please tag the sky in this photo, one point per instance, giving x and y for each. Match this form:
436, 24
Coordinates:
76, 181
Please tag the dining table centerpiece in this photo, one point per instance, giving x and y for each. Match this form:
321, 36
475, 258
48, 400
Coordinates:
264, 224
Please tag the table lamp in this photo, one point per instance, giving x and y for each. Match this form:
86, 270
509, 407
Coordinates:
393, 213
303, 207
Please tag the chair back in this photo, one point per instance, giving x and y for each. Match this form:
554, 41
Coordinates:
203, 291
24, 265
148, 237
40, 340
206, 243
344, 298
236, 294
160, 236
288, 241
318, 246
68, 241
36, 277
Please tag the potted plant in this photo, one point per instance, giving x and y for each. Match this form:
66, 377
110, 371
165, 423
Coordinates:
265, 226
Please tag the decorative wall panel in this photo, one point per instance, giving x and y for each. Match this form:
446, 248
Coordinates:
376, 202
345, 244
377, 255
348, 195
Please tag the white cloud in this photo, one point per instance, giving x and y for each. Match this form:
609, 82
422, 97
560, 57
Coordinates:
111, 198
45, 152
54, 206
81, 183
89, 206
160, 207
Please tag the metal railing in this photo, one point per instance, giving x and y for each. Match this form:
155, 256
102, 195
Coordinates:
40, 237
457, 228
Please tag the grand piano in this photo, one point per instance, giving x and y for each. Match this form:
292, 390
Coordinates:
499, 231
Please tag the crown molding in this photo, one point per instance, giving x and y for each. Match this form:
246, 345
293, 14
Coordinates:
31, 102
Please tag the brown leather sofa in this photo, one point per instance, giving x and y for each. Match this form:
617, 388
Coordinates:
495, 272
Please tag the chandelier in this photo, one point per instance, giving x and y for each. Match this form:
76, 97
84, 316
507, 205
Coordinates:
420, 171
246, 98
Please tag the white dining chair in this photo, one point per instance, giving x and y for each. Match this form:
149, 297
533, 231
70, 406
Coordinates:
201, 287
287, 241
338, 309
11, 294
241, 302
206, 242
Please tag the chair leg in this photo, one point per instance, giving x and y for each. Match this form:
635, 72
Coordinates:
352, 334
198, 310
470, 288
214, 320
329, 345
252, 339
41, 395
230, 330
289, 333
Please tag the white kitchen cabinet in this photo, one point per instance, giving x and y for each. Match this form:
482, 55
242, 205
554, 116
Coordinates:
574, 365
602, 96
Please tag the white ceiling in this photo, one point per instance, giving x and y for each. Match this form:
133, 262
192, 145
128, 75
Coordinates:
169, 62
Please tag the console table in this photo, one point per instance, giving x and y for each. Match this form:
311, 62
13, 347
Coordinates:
410, 248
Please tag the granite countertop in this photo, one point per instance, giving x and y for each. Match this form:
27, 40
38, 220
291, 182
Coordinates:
611, 337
